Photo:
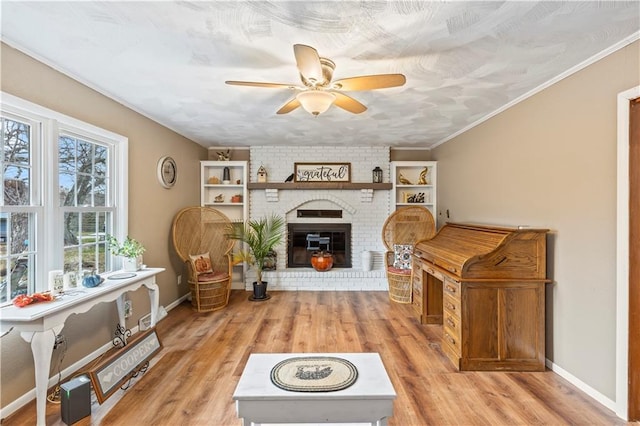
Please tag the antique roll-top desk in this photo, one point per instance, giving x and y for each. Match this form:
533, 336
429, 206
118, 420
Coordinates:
486, 286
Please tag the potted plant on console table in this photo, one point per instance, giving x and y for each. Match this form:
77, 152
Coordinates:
130, 250
259, 236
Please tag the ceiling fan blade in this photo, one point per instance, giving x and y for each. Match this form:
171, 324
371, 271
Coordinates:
348, 103
259, 84
369, 82
289, 106
308, 62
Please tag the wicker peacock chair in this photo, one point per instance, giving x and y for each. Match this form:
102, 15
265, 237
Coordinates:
400, 232
196, 232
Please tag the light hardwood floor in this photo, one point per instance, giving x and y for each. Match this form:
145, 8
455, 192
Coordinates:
192, 380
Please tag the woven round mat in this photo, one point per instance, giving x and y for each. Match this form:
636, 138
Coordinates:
314, 374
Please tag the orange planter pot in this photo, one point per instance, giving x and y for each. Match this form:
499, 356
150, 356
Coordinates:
322, 261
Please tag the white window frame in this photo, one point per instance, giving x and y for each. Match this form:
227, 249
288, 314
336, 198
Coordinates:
45, 176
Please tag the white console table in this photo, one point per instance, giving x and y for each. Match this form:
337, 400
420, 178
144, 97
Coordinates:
39, 323
369, 400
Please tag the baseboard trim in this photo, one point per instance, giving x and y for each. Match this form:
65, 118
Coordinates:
14, 406
599, 397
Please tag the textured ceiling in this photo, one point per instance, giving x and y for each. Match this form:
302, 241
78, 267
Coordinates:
463, 60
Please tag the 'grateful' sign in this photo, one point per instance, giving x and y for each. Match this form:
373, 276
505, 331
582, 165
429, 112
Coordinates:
322, 172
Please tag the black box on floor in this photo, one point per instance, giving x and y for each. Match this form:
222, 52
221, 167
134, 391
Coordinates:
75, 399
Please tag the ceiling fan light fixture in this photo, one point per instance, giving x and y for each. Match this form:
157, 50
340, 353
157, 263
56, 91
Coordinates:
315, 101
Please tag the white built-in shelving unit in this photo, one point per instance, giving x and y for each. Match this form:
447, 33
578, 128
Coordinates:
412, 185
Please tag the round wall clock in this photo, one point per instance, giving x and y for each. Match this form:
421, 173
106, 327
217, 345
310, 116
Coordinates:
167, 172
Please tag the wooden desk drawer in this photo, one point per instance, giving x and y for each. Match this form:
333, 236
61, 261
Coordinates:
451, 306
451, 287
452, 345
431, 271
451, 325
416, 276
452, 354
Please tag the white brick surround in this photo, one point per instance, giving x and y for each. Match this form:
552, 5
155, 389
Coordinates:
364, 211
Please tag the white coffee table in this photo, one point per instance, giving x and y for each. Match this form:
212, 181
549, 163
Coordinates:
369, 400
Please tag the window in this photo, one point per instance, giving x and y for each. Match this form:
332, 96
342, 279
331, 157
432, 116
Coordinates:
17, 218
83, 177
64, 190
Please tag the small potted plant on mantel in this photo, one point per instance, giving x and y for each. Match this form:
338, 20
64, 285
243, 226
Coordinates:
259, 236
130, 250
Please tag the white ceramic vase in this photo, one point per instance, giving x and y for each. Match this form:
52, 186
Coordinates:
131, 264
367, 260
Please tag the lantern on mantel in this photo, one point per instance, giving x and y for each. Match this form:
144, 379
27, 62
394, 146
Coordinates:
377, 175
262, 174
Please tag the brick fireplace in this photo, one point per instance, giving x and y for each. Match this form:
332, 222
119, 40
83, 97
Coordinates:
364, 210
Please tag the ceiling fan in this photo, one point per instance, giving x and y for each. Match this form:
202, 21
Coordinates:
318, 92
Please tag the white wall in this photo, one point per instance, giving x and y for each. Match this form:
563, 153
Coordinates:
550, 162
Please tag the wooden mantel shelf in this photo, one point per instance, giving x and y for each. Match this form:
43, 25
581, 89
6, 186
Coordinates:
318, 185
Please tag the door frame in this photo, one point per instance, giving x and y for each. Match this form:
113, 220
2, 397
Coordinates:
622, 254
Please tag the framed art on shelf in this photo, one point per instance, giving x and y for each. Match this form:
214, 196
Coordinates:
322, 172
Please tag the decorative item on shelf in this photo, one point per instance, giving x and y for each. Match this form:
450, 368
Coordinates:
226, 176
238, 182
236, 198
415, 198
290, 178
213, 180
322, 172
262, 174
423, 177
92, 280
224, 156
70, 280
219, 198
377, 175
259, 236
130, 250
322, 261
403, 180
56, 282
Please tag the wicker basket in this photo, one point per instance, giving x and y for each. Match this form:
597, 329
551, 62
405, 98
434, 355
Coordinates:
399, 286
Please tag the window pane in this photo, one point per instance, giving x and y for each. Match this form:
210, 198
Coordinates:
16, 186
3, 279
72, 260
17, 256
85, 157
71, 229
17, 280
85, 190
17, 146
67, 154
100, 192
67, 185
100, 156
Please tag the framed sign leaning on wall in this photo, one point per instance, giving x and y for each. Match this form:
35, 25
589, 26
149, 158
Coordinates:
117, 368
322, 172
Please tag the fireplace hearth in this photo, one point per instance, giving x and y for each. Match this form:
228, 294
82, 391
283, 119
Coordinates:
304, 239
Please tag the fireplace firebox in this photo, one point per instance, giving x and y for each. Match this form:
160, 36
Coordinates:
304, 239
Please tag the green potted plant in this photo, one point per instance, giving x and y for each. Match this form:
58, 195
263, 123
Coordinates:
259, 236
130, 250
